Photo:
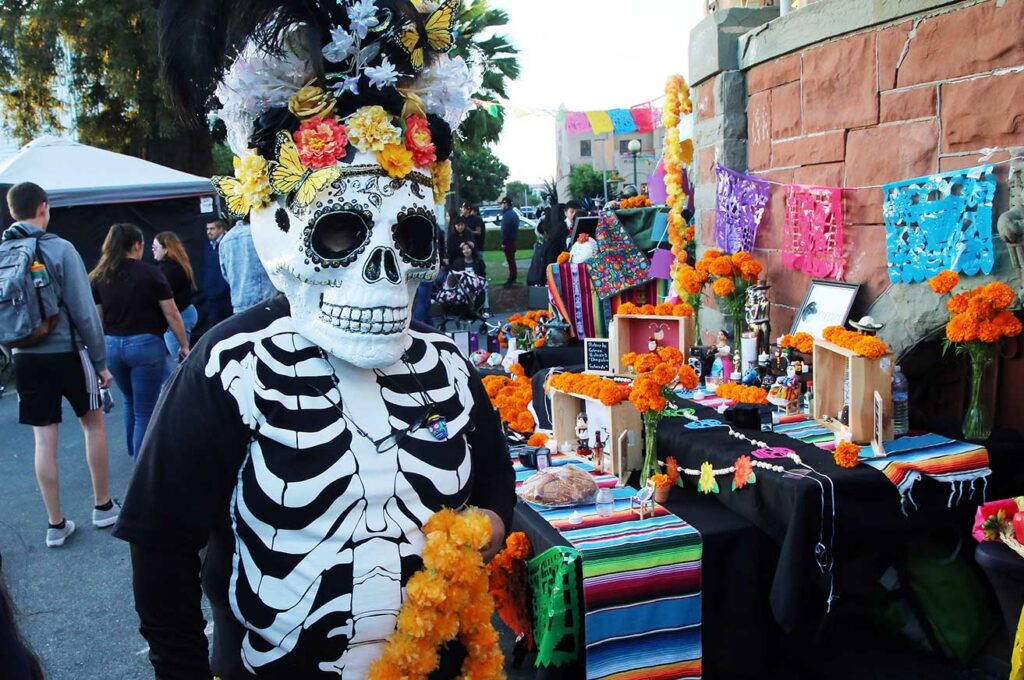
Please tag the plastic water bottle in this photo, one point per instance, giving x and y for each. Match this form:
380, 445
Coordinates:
900, 403
605, 503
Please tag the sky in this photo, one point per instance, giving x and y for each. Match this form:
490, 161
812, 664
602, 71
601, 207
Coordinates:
587, 55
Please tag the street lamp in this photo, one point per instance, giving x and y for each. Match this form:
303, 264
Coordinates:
634, 148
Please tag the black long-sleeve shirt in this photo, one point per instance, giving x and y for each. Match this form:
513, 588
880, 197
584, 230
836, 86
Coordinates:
199, 452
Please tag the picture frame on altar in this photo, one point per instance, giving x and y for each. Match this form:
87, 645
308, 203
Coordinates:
584, 224
827, 303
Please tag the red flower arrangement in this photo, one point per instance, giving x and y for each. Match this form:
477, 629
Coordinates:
419, 141
321, 142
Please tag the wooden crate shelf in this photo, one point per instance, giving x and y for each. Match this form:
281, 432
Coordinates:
867, 376
624, 446
630, 333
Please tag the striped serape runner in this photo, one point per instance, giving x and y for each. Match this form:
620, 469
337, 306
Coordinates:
603, 481
946, 460
641, 586
571, 294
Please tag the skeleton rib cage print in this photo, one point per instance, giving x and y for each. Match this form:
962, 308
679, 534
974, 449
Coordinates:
327, 529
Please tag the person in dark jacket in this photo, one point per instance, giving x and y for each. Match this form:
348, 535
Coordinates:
474, 225
509, 235
211, 281
457, 235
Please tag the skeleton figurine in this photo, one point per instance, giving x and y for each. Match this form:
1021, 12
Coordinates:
307, 440
758, 314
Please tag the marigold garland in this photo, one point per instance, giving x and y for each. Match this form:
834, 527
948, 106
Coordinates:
663, 309
743, 394
802, 342
608, 392
511, 396
846, 455
450, 596
634, 202
677, 154
865, 345
509, 585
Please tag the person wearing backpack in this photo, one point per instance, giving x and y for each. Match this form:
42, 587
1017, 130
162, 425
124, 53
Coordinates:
48, 318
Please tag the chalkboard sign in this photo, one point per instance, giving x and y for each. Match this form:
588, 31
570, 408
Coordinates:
597, 356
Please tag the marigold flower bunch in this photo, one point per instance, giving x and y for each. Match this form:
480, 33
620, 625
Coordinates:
563, 257
865, 345
656, 372
730, 276
511, 397
538, 439
634, 202
660, 481
802, 342
678, 153
509, 585
524, 327
743, 394
449, 597
663, 309
607, 391
846, 454
978, 316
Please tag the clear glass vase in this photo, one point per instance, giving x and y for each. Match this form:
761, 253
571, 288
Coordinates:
979, 416
650, 464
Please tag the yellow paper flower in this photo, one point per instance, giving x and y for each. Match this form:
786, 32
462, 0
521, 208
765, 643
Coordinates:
311, 102
396, 160
706, 484
251, 173
370, 129
442, 175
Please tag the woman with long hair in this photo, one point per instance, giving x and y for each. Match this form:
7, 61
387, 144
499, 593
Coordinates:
169, 253
136, 306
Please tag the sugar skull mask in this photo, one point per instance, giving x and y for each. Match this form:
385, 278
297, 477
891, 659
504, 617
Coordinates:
350, 262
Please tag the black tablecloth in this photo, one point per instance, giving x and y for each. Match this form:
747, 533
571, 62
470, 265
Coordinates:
736, 573
868, 523
551, 357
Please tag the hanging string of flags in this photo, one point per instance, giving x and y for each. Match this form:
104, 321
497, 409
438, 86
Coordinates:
642, 118
935, 222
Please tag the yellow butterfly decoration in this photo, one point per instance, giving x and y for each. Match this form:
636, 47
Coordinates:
233, 193
288, 174
437, 34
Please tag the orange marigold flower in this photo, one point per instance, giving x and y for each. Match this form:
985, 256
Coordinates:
702, 271
517, 370
688, 377
670, 354
723, 287
647, 309
627, 308
628, 358
944, 281
711, 254
663, 309
846, 454
870, 347
961, 328
721, 266
645, 363
682, 309
751, 269
958, 303
688, 233
563, 257
664, 373
738, 258
537, 439
539, 342
989, 332
999, 294
1008, 324
660, 481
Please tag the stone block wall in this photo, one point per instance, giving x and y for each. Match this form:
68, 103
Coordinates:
919, 94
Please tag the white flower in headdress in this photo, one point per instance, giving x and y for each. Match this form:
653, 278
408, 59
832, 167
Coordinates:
362, 16
446, 87
383, 75
349, 84
341, 47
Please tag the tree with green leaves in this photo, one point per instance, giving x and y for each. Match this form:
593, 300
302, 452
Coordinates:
585, 182
97, 58
521, 193
478, 174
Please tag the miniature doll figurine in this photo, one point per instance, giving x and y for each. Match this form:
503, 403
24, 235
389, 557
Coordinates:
582, 436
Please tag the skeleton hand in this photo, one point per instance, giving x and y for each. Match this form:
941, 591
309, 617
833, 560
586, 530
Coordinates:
494, 546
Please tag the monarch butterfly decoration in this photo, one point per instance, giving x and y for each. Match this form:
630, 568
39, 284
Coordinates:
233, 193
436, 33
288, 175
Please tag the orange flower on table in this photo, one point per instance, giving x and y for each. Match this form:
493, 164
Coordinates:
660, 481
664, 373
670, 354
682, 309
743, 394
801, 342
688, 377
563, 257
690, 280
944, 281
846, 455
744, 471
646, 309
537, 439
645, 363
663, 309
627, 308
723, 287
628, 358
989, 332
865, 345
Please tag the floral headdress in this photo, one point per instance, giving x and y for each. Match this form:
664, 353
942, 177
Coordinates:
312, 91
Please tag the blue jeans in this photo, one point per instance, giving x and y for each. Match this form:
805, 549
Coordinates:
137, 363
189, 317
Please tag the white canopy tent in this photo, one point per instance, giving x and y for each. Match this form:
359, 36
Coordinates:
75, 174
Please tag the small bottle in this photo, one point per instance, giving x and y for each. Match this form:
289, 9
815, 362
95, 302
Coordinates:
844, 415
605, 502
810, 398
900, 403
40, 277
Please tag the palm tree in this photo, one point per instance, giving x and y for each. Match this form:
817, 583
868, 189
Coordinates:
495, 57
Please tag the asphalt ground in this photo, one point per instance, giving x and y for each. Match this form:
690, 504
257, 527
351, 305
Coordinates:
74, 603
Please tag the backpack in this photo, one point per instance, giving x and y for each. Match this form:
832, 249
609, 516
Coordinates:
28, 313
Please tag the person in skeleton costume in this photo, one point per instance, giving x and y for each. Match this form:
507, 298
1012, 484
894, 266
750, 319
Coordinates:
307, 440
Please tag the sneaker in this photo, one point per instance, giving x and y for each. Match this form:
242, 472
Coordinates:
101, 519
56, 537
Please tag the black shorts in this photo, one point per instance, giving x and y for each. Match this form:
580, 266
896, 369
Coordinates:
44, 379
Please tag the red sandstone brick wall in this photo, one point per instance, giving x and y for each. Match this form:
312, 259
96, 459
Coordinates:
921, 96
